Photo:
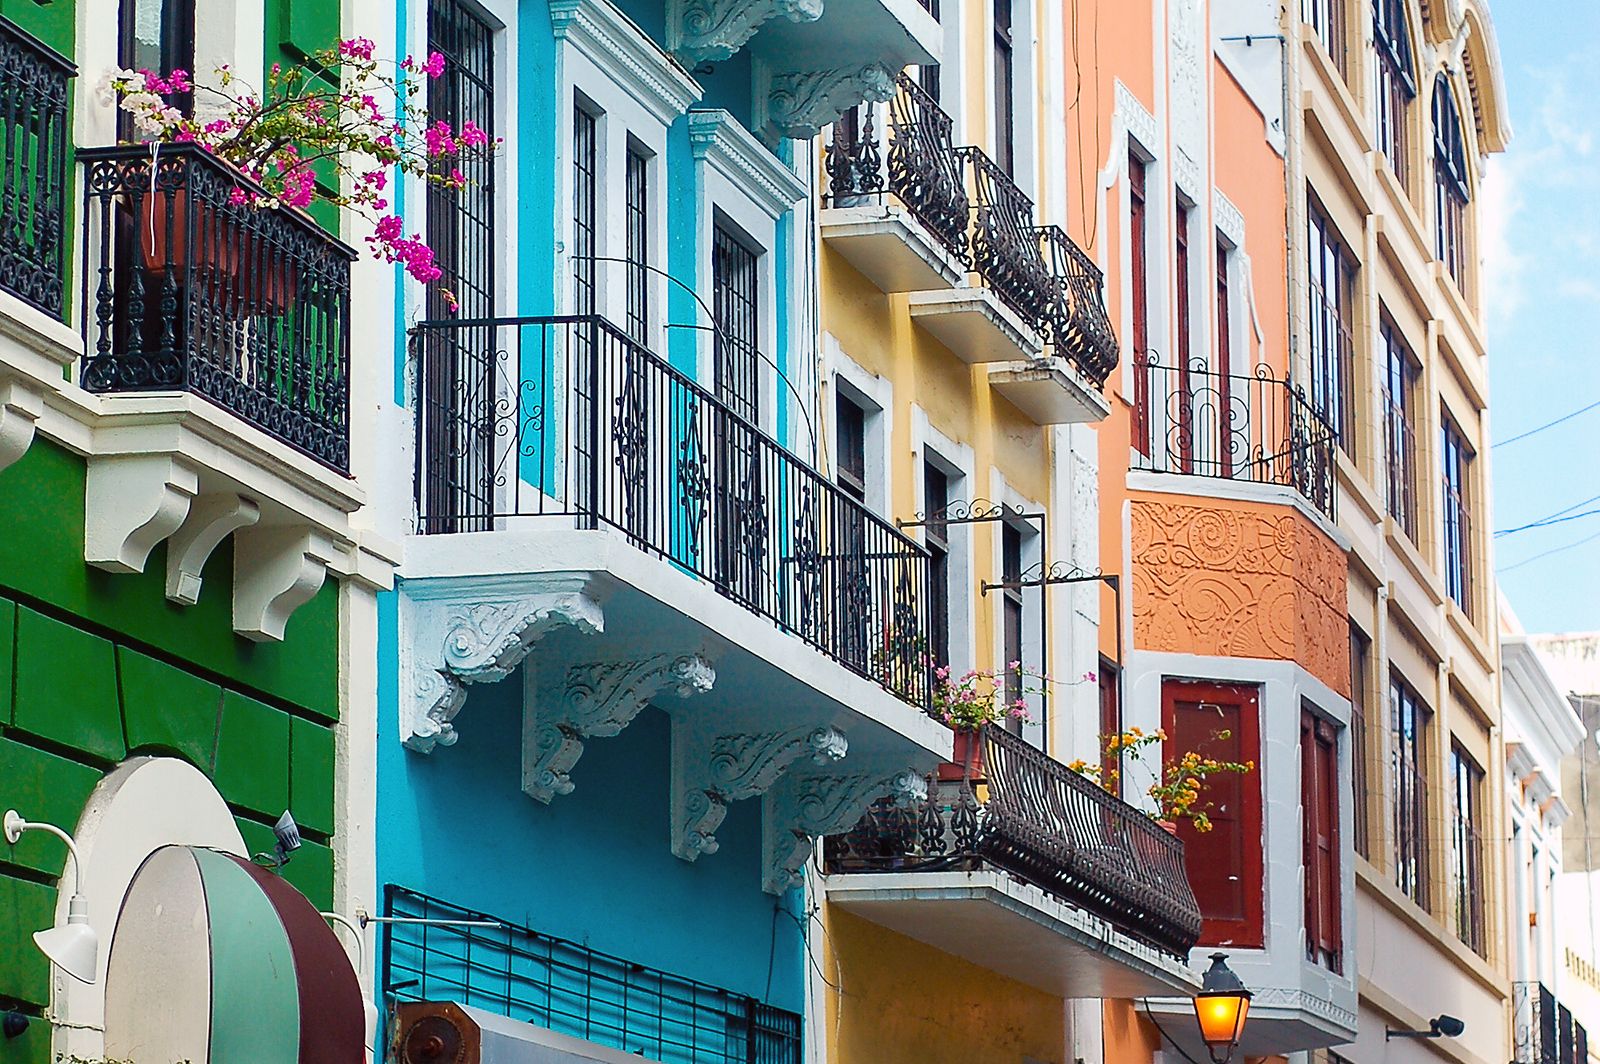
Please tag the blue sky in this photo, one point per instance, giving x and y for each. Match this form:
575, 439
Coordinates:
1541, 245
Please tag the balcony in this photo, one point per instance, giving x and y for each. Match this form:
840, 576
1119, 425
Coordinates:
1544, 1031
1027, 869
188, 290
578, 491
33, 170
1194, 421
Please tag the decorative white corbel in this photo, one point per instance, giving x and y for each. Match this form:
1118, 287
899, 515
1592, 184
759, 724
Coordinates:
709, 770
275, 572
709, 31
594, 699
211, 519
131, 503
21, 404
469, 639
800, 103
805, 806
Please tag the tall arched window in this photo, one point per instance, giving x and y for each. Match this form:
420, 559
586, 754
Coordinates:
1396, 84
1451, 192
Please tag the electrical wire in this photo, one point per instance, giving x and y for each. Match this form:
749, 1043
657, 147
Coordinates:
1547, 553
1549, 518
1546, 522
1549, 424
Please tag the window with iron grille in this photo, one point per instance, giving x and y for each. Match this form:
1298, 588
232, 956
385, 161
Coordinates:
1360, 752
1330, 289
1396, 84
1466, 849
1109, 678
574, 990
1456, 463
935, 500
1327, 20
1451, 191
1139, 277
1400, 440
735, 302
1319, 806
1005, 107
850, 467
155, 35
637, 181
1408, 721
585, 207
1013, 614
458, 371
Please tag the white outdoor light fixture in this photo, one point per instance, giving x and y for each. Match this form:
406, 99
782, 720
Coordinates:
75, 947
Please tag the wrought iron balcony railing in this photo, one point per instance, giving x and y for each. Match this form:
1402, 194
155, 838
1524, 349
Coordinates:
436, 951
1034, 818
1006, 244
34, 154
188, 287
568, 416
1543, 1029
924, 171
1080, 327
1259, 428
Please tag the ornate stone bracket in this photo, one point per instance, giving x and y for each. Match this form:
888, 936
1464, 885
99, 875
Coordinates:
131, 503
596, 699
701, 31
475, 640
20, 407
803, 807
275, 572
710, 770
799, 104
211, 519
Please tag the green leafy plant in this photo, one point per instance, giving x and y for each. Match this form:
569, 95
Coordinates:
1176, 786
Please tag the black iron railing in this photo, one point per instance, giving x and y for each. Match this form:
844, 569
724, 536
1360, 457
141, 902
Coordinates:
1256, 428
1400, 463
574, 990
1006, 244
1080, 327
1033, 817
188, 287
529, 417
1544, 1030
923, 169
34, 155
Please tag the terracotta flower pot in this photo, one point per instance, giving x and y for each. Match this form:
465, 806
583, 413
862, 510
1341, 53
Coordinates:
967, 760
1169, 826
225, 253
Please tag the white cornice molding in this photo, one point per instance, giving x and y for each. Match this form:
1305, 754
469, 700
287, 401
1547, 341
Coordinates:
1229, 219
615, 44
716, 137
1136, 118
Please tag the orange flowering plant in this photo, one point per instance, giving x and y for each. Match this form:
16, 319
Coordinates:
1177, 787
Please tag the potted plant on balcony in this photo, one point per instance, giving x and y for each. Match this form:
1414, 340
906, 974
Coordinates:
1176, 786
976, 698
328, 130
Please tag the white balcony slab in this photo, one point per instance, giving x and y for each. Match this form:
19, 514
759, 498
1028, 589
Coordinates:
1049, 391
1283, 1019
889, 247
975, 325
1015, 929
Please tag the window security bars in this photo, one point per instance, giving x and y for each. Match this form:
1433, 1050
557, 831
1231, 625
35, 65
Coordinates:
461, 221
1409, 781
1327, 20
588, 424
1451, 190
185, 290
1254, 428
1543, 1030
1456, 460
1330, 284
34, 153
1466, 852
574, 990
1038, 820
1396, 85
638, 244
1400, 446
1360, 752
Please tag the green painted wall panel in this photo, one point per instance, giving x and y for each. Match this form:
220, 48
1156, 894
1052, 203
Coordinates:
258, 838
41, 555
165, 709
42, 786
311, 777
310, 871
33, 1047
50, 21
24, 908
66, 687
8, 654
253, 755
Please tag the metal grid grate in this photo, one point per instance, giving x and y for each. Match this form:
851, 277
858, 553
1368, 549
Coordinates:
574, 990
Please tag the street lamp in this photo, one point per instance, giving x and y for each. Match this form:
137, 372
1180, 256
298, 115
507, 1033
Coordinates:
1221, 1008
74, 947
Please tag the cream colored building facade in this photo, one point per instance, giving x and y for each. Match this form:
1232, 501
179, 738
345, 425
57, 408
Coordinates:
1397, 102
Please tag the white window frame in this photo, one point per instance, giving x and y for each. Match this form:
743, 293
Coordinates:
958, 462
875, 396
1034, 650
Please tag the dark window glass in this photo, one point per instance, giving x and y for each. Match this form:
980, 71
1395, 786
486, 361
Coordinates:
1456, 462
1451, 192
1408, 719
1005, 114
935, 500
1327, 19
1013, 612
1400, 439
1396, 84
585, 208
1109, 678
638, 227
735, 300
1360, 753
155, 35
1330, 287
1137, 236
1466, 849
928, 79
851, 466
1319, 809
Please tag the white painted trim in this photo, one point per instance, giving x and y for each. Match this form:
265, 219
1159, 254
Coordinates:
717, 137
612, 42
928, 443
875, 395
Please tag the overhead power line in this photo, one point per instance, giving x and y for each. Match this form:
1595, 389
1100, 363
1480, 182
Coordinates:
1549, 424
1558, 518
1547, 553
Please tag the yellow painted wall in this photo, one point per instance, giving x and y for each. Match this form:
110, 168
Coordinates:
902, 1002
